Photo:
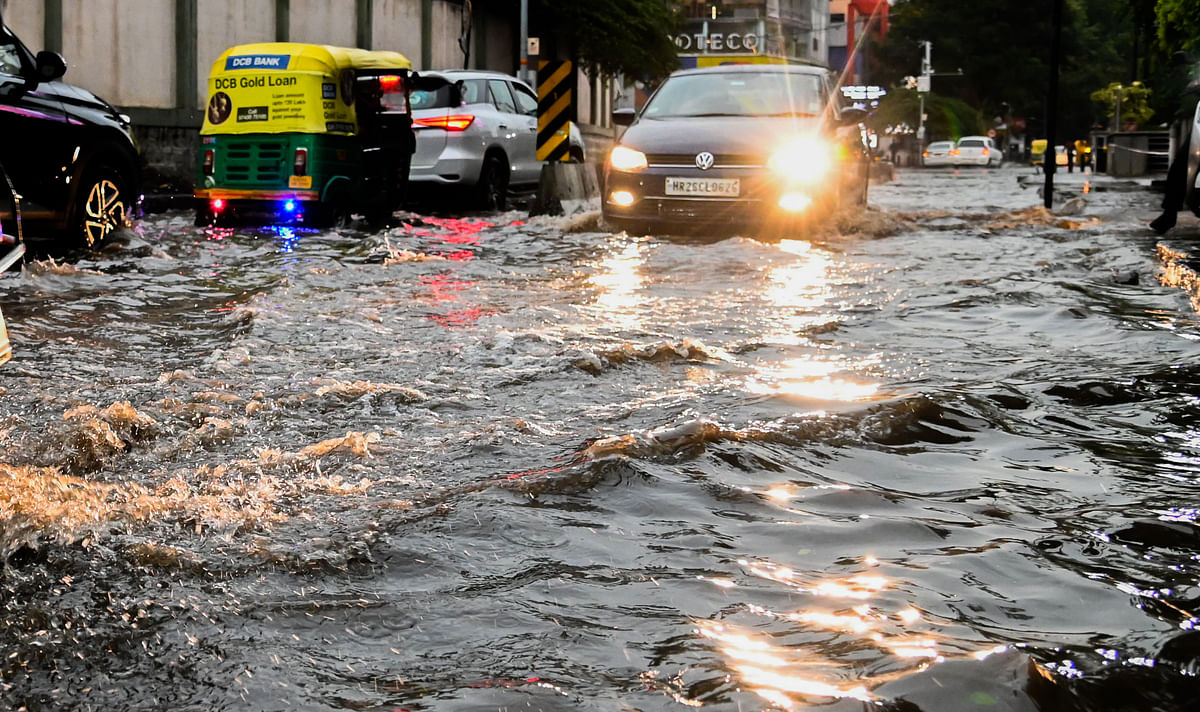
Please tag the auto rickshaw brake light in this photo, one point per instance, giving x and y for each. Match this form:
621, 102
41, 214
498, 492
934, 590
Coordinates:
458, 122
210, 162
390, 83
300, 162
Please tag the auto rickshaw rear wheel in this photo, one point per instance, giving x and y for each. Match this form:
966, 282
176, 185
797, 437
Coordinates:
101, 205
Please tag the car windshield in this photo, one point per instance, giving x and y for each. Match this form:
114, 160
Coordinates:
970, 143
940, 146
738, 94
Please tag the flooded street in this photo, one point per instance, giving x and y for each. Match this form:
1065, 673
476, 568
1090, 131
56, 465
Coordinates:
942, 457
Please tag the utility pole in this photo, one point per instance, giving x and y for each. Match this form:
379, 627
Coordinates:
923, 84
1050, 161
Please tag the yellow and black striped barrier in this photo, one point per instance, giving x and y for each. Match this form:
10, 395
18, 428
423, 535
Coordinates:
556, 109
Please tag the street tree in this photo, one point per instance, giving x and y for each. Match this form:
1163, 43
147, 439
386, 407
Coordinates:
610, 37
1002, 49
1178, 24
1128, 104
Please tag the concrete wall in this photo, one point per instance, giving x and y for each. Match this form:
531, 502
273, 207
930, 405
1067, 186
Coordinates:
396, 26
329, 22
447, 24
124, 34
223, 23
26, 19
124, 50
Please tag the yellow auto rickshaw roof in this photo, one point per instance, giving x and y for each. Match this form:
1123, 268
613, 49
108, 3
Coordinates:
301, 57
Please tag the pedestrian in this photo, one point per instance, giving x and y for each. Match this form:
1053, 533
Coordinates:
1181, 128
1070, 149
894, 148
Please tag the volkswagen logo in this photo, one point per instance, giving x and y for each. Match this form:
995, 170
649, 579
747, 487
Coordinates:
704, 160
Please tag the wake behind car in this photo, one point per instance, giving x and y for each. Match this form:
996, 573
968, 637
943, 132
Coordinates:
738, 145
70, 155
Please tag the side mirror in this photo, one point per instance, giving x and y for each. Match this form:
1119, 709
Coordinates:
50, 66
623, 117
852, 115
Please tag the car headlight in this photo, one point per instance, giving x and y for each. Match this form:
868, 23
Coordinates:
802, 159
627, 159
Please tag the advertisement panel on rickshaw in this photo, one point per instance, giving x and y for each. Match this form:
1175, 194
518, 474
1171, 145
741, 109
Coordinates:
279, 93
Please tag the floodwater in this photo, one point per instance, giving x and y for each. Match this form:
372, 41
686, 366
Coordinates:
943, 456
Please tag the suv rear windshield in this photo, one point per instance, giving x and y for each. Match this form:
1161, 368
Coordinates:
473, 91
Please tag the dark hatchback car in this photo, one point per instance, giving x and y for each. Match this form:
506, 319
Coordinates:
736, 146
67, 154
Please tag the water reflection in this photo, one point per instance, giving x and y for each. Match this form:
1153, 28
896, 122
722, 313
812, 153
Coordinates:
801, 294
788, 666
618, 281
776, 673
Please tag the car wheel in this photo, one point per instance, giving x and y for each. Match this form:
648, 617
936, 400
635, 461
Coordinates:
101, 206
491, 192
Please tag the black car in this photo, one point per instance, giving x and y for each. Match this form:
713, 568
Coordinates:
736, 146
68, 155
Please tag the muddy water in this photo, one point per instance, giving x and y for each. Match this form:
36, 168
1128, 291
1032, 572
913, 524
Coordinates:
941, 457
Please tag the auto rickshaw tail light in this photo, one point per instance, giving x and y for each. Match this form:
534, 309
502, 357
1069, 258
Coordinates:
210, 162
458, 122
300, 162
391, 83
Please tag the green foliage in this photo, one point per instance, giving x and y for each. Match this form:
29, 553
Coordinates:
608, 37
1003, 49
1133, 101
949, 118
1178, 24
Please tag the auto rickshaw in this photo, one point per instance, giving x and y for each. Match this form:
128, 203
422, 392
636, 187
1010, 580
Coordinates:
1037, 152
304, 134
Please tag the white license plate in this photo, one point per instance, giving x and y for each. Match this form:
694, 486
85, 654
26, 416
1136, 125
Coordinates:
721, 187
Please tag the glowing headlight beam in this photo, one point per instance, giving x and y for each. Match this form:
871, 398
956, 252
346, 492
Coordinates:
627, 159
802, 160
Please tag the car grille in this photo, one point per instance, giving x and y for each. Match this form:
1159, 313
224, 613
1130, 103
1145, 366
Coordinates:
723, 160
254, 162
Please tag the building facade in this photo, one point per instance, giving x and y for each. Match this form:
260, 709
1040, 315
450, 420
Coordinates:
753, 31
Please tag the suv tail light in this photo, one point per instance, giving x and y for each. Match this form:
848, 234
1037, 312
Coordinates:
210, 161
458, 122
300, 162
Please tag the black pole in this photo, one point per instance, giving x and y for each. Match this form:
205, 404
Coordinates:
1050, 159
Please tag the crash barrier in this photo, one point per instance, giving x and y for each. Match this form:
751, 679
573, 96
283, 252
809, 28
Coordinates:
1137, 153
556, 109
564, 187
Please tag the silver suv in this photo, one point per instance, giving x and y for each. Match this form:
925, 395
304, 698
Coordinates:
479, 133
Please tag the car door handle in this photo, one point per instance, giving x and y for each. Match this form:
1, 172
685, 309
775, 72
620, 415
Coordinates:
504, 126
